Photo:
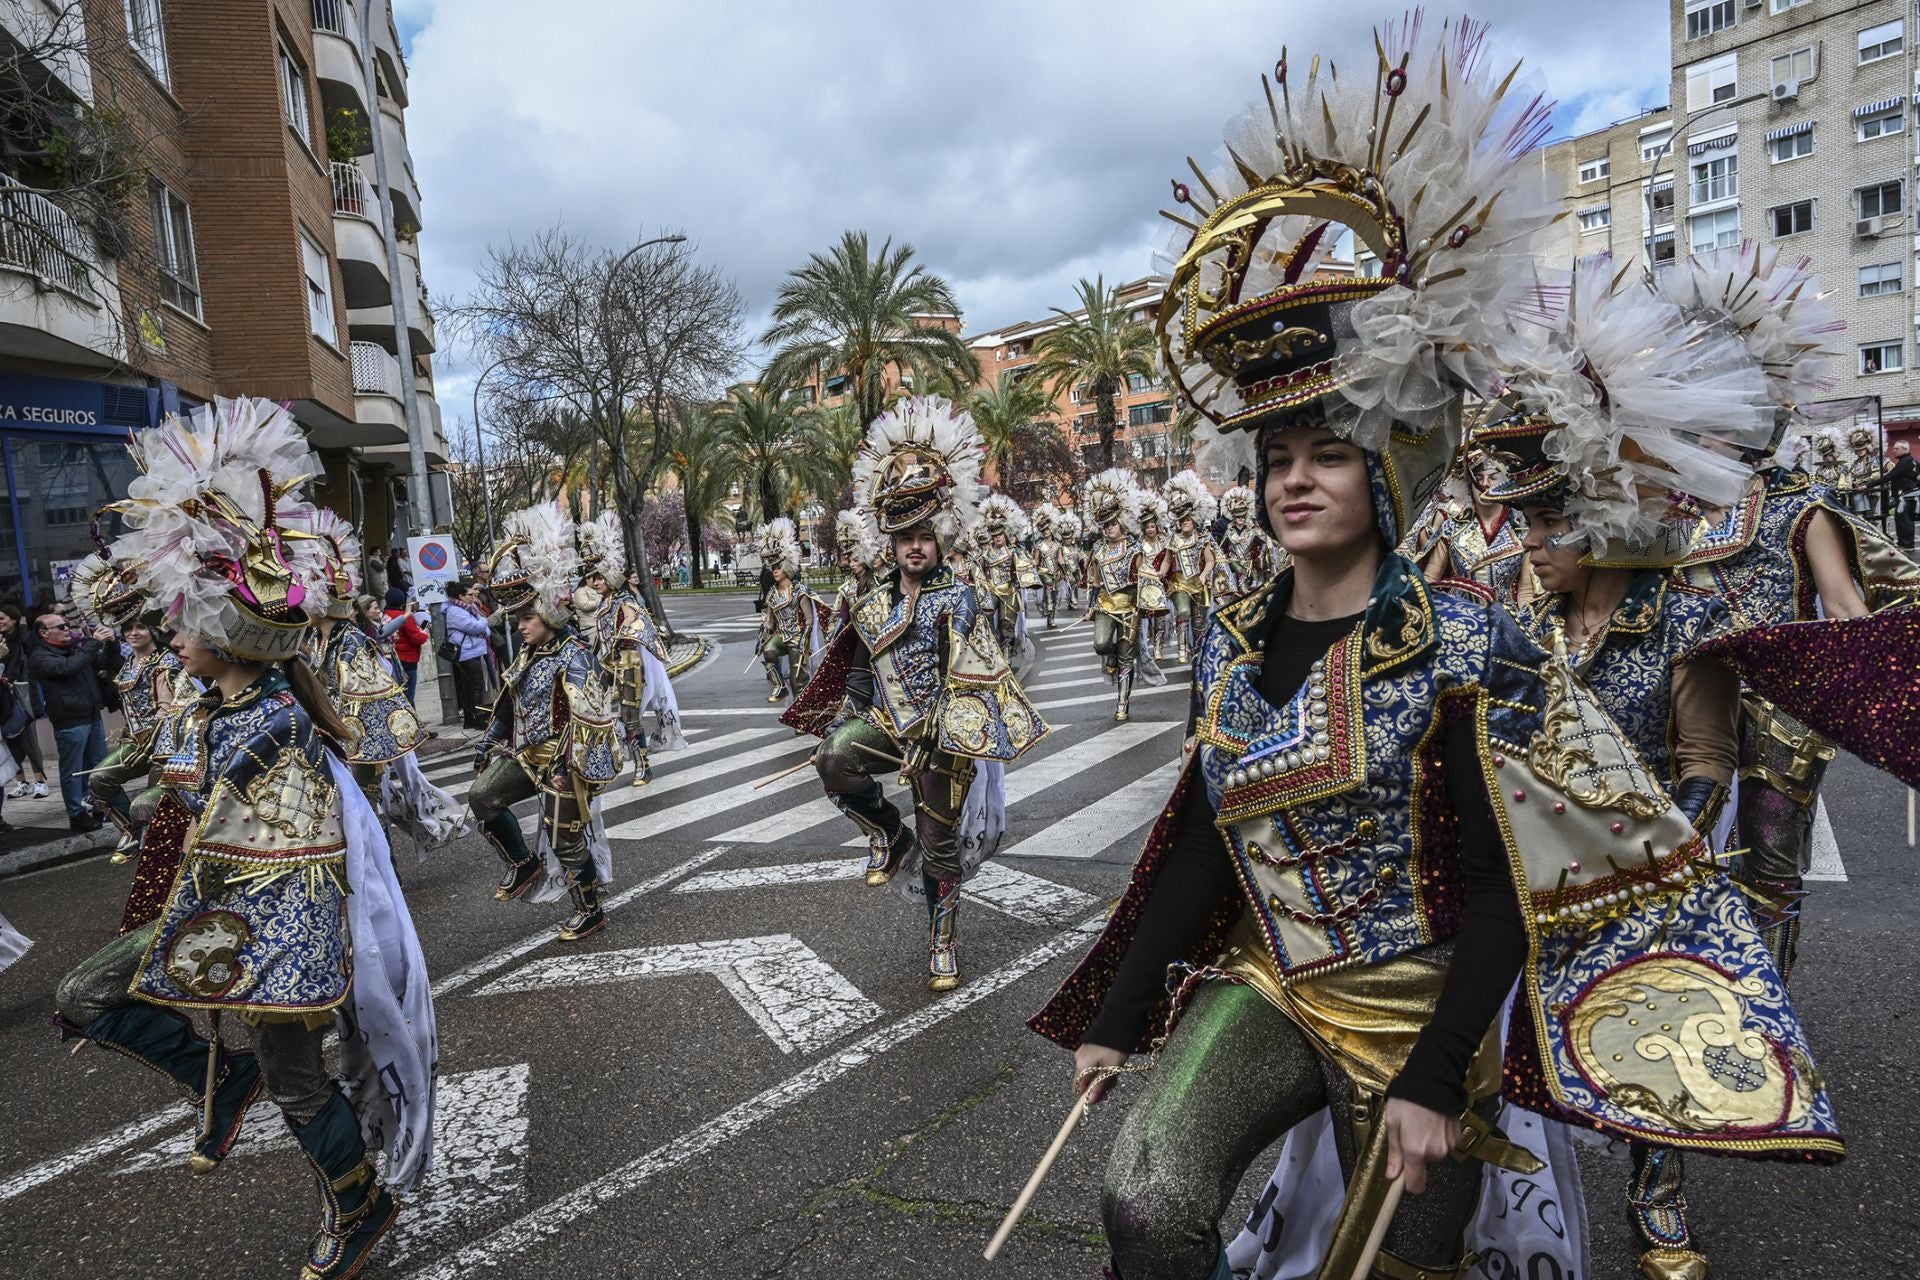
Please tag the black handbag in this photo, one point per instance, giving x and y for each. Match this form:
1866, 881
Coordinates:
448, 652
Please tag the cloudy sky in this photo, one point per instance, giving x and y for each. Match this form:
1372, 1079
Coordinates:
1016, 146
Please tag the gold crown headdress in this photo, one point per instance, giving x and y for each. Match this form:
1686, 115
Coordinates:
921, 463
1186, 495
536, 563
333, 575
603, 550
106, 592
1112, 495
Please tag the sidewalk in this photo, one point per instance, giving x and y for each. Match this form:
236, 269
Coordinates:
42, 838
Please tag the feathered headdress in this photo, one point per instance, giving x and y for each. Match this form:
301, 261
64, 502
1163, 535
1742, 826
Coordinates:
856, 537
780, 545
1001, 514
1186, 495
1112, 495
536, 563
208, 525
1422, 162
1066, 526
602, 549
1041, 518
1152, 507
106, 593
1620, 415
921, 462
1772, 305
330, 569
1238, 502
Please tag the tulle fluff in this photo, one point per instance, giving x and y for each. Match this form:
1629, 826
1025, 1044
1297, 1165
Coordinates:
930, 426
1189, 486
1112, 494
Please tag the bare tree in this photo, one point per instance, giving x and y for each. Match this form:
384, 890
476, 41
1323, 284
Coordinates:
614, 339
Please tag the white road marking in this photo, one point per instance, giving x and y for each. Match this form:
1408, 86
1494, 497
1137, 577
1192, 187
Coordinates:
87, 1152
565, 1213
798, 999
461, 977
1090, 830
667, 774
716, 802
1108, 695
786, 873
1027, 897
1826, 848
771, 711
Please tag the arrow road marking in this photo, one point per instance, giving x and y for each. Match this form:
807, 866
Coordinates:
798, 999
1826, 849
567, 1212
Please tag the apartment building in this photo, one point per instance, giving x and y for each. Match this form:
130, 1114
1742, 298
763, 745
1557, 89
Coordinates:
1791, 125
246, 255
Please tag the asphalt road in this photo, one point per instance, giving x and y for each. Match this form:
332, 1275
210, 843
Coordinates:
744, 1075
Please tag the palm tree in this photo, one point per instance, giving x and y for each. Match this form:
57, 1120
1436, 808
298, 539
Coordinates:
705, 467
855, 312
1006, 414
836, 433
777, 459
1100, 346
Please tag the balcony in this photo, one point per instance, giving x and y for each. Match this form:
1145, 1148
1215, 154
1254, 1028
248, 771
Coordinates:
406, 193
357, 238
374, 322
378, 417
337, 57
392, 61
56, 303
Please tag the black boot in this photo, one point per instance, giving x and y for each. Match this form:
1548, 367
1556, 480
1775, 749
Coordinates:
523, 865
885, 854
166, 1041
355, 1209
588, 917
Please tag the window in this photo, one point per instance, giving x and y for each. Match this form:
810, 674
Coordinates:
1717, 230
1660, 248
1655, 145
173, 250
1142, 414
1883, 41
1083, 423
1792, 219
1882, 357
319, 290
1715, 80
1594, 170
839, 385
1138, 382
1716, 179
1080, 393
1704, 17
1881, 124
146, 33
1781, 6
1792, 147
1883, 200
1793, 68
1878, 281
1659, 205
1598, 218
293, 96
805, 395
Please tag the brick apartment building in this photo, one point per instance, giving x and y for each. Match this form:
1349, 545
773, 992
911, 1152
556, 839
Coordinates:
1792, 125
249, 257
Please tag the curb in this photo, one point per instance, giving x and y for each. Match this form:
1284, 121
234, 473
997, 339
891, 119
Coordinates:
51, 853
701, 645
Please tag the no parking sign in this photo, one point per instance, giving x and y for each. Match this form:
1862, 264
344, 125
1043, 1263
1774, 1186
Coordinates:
436, 562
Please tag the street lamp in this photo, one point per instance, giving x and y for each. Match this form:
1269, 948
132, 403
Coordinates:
480, 449
606, 299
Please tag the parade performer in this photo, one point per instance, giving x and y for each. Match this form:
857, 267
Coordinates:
1399, 810
1111, 578
552, 734
149, 683
620, 629
1472, 538
858, 543
285, 911
1251, 556
1828, 471
383, 729
1073, 556
1046, 558
1863, 471
1785, 552
1192, 510
1153, 574
1006, 571
1611, 382
790, 622
917, 683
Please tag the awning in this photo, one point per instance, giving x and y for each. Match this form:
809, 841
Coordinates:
1713, 144
1875, 108
1596, 208
1805, 126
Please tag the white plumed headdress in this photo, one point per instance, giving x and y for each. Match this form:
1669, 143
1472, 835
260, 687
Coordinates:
856, 536
1112, 495
333, 576
921, 462
1186, 495
602, 549
780, 545
1001, 514
536, 563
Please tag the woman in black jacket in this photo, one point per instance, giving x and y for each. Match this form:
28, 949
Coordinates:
25, 744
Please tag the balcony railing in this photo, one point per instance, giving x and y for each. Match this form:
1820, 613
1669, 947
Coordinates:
352, 194
375, 371
1722, 188
38, 236
336, 18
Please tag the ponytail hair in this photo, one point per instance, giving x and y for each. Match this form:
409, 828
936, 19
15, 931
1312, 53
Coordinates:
307, 690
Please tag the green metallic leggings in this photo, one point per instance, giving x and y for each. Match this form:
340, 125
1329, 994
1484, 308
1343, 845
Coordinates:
503, 784
1235, 1075
849, 775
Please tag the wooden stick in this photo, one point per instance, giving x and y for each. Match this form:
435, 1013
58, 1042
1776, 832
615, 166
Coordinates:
1040, 1171
784, 773
1375, 1237
895, 761
213, 1071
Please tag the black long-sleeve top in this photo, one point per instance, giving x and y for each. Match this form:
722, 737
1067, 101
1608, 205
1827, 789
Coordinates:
1198, 873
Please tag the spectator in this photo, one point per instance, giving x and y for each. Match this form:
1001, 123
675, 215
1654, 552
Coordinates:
24, 744
1902, 486
467, 627
397, 575
367, 619
376, 583
70, 669
409, 637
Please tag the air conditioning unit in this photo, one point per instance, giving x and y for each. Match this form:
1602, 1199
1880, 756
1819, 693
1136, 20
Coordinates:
1871, 226
1786, 91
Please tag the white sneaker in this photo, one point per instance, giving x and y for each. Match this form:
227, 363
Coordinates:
39, 789
18, 789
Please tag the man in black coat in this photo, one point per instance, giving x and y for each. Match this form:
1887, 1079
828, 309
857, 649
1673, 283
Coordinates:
1902, 487
72, 669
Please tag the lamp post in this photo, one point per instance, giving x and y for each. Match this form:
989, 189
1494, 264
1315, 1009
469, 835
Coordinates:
606, 300
480, 448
